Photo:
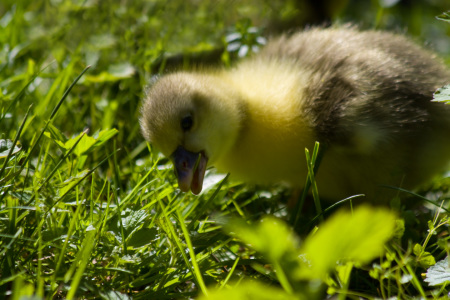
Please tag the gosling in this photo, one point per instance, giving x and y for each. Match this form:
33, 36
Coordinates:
364, 95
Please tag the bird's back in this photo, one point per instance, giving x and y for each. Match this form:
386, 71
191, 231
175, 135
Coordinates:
366, 96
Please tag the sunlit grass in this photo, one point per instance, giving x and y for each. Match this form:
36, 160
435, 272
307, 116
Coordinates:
89, 210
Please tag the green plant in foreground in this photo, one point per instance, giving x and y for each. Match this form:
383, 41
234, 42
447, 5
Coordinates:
442, 94
345, 240
90, 211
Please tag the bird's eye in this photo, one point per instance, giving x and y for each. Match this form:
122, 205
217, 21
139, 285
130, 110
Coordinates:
187, 122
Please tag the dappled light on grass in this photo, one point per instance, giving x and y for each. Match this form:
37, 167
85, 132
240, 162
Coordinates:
88, 210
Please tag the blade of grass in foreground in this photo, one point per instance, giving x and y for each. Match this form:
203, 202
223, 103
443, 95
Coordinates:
197, 272
418, 196
230, 273
52, 115
16, 139
311, 162
201, 209
21, 93
80, 263
75, 185
62, 160
178, 242
62, 252
57, 166
318, 154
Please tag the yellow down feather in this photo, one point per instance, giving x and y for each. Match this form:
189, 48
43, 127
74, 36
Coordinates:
365, 96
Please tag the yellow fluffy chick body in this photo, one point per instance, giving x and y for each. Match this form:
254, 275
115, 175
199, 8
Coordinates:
271, 141
365, 96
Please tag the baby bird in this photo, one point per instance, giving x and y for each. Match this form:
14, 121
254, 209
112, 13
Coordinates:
364, 95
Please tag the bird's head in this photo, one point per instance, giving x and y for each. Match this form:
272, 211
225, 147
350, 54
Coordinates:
193, 119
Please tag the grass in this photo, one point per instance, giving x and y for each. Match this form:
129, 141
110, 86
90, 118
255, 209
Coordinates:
89, 210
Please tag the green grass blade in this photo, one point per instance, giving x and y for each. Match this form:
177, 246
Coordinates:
80, 263
55, 110
16, 139
21, 93
66, 93
75, 185
230, 273
310, 162
177, 240
57, 166
62, 252
197, 271
320, 151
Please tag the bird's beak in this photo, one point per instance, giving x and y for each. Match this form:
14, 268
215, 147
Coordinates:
190, 169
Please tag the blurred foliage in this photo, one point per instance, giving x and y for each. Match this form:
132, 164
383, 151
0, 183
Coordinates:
86, 211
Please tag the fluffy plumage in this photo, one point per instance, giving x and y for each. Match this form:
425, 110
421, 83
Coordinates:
365, 96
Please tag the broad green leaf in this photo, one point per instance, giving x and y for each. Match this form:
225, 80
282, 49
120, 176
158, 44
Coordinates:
424, 258
89, 143
276, 242
271, 237
123, 70
442, 94
132, 219
22, 290
110, 113
142, 237
439, 273
250, 290
69, 183
114, 73
102, 41
399, 228
5, 147
76, 271
444, 16
343, 273
55, 134
115, 295
358, 237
